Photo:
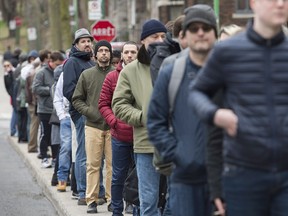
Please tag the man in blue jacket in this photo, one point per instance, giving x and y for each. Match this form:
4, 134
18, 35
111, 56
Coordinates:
79, 60
185, 145
252, 69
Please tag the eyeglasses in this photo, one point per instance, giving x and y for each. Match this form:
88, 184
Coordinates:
195, 28
103, 50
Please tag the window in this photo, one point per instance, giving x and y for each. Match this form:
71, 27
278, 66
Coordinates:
242, 6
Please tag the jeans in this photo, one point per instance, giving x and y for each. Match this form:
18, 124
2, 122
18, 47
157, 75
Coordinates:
13, 122
80, 159
65, 149
189, 200
148, 184
122, 154
45, 138
101, 187
253, 192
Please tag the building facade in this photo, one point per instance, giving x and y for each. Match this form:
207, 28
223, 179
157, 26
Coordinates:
129, 15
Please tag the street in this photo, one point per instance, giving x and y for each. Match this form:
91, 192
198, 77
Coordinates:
19, 192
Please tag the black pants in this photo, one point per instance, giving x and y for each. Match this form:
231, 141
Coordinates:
22, 124
45, 138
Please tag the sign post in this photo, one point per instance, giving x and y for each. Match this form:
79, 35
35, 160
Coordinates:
103, 30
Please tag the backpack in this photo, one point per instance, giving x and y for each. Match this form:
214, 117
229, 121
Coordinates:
175, 80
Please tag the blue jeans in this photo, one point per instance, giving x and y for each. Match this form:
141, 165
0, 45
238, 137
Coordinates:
65, 149
253, 192
80, 159
122, 154
189, 200
13, 122
148, 184
101, 186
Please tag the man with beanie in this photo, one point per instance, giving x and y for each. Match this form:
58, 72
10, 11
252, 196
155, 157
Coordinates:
251, 69
97, 133
78, 61
130, 104
180, 137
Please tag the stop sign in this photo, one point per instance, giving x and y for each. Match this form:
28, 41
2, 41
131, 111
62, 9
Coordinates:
103, 30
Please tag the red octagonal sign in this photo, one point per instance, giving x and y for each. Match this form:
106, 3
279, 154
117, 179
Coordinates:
103, 30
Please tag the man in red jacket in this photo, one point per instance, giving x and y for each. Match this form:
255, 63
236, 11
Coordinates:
122, 134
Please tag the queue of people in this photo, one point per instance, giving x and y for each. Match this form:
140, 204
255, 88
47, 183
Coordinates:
198, 117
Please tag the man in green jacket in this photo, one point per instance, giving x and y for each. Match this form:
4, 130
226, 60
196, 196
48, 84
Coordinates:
97, 134
130, 104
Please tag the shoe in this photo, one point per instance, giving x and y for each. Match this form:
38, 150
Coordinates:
54, 180
75, 195
129, 208
61, 187
101, 201
92, 208
45, 163
109, 207
39, 156
81, 201
32, 151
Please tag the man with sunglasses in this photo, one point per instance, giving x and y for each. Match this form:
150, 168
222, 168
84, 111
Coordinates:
184, 145
251, 68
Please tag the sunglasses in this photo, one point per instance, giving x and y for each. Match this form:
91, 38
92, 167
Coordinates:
195, 28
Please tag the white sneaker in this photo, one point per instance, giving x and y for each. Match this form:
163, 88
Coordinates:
45, 163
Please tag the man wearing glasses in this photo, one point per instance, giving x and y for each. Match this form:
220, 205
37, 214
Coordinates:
185, 145
97, 131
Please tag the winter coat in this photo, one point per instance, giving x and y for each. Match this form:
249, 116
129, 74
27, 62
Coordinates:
77, 62
119, 130
252, 71
87, 93
41, 86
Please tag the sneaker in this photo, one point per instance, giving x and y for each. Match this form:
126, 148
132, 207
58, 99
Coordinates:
92, 208
129, 208
75, 195
45, 163
54, 180
39, 156
61, 187
81, 201
101, 201
109, 207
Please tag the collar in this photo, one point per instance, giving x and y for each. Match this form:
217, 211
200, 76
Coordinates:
258, 39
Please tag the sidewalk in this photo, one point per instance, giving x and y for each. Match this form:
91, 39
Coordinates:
61, 200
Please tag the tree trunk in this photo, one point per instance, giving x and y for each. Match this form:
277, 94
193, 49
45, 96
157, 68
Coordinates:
67, 35
55, 24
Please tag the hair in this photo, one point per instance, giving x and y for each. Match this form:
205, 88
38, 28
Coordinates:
56, 55
169, 26
131, 43
116, 53
43, 54
230, 30
178, 25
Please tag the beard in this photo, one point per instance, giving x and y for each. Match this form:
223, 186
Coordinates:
103, 60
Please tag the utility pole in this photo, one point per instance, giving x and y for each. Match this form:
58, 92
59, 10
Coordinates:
216, 9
